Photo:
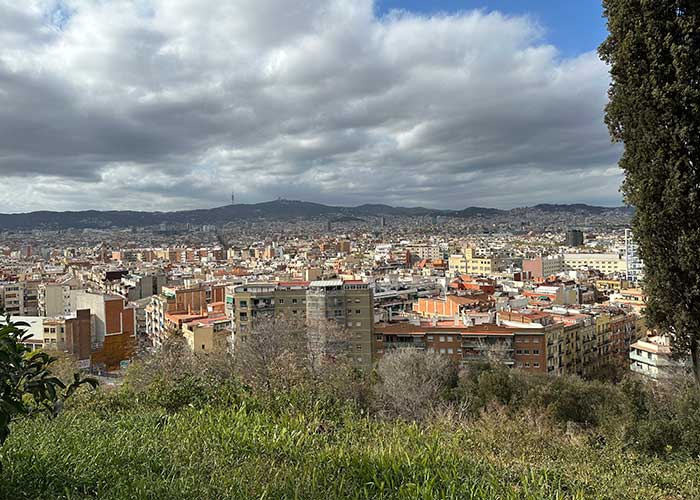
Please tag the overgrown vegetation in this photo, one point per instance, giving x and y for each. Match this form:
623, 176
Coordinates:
27, 384
186, 426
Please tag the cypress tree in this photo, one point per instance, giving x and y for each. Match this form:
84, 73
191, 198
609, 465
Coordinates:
653, 53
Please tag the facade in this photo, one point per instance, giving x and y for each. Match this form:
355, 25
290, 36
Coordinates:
113, 328
607, 263
54, 299
12, 299
523, 349
542, 267
634, 263
348, 303
208, 335
470, 263
652, 358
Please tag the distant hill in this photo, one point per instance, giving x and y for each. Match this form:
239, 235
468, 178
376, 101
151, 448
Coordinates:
271, 210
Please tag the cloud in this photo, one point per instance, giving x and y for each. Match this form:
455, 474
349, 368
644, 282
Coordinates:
170, 104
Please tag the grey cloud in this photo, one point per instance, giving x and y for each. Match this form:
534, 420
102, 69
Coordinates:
170, 104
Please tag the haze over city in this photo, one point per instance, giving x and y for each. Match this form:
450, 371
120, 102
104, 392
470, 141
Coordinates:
171, 104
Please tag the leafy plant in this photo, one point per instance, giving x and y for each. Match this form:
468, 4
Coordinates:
27, 386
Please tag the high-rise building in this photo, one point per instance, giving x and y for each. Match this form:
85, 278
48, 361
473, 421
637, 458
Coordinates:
574, 238
635, 265
348, 303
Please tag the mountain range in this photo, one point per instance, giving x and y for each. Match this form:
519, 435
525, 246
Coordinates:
271, 210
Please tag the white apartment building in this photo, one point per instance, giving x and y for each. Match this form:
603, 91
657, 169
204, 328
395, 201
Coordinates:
652, 357
54, 299
607, 263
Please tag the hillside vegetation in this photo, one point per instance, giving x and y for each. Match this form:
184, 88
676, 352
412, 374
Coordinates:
200, 431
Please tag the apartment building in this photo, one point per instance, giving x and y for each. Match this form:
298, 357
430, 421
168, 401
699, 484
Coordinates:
113, 328
607, 263
193, 301
471, 263
54, 299
212, 334
652, 357
543, 267
348, 303
521, 348
12, 299
429, 252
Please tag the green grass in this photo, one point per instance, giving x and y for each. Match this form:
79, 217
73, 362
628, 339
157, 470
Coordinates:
253, 452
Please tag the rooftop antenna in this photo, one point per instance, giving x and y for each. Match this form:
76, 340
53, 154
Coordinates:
233, 198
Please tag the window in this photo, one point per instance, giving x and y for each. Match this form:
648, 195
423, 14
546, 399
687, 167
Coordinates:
449, 339
442, 339
536, 365
430, 337
442, 350
203, 347
281, 301
294, 301
358, 323
526, 351
357, 311
450, 350
535, 351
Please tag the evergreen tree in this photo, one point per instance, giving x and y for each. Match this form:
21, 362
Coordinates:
653, 51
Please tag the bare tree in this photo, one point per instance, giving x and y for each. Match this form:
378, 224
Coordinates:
273, 354
411, 382
280, 352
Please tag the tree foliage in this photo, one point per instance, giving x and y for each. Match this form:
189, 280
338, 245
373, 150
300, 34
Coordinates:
27, 386
653, 51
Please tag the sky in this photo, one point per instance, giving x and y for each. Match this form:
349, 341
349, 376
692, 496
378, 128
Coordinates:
174, 104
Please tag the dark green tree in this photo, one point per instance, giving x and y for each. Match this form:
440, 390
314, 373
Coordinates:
27, 386
653, 52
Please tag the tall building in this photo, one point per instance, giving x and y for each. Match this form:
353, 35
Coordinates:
54, 299
635, 265
574, 238
113, 328
348, 303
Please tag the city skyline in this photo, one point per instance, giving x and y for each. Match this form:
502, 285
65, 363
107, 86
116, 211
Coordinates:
159, 105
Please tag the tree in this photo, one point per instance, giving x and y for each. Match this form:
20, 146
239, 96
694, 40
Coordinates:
411, 382
27, 386
653, 51
281, 352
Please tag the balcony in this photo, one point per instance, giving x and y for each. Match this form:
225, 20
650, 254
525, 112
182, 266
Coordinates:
407, 344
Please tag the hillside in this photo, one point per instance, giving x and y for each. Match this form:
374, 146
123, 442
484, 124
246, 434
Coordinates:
188, 427
272, 210
247, 452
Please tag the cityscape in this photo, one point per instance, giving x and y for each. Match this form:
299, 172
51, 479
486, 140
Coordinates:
575, 273
349, 249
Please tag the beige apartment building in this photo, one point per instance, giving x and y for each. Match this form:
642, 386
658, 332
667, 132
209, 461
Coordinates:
208, 335
471, 263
